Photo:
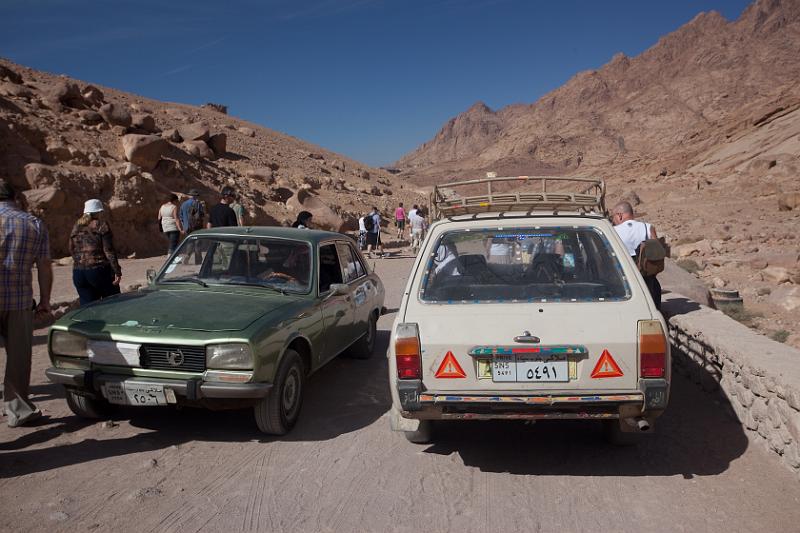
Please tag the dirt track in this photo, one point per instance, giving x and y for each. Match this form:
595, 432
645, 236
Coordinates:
342, 469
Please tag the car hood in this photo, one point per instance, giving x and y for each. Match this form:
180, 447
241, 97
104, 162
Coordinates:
196, 310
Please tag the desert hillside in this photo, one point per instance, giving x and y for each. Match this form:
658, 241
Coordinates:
64, 141
701, 132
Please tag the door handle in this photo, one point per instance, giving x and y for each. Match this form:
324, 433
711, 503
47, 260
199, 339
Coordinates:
527, 337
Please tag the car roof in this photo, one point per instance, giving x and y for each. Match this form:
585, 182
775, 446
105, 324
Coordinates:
531, 216
313, 236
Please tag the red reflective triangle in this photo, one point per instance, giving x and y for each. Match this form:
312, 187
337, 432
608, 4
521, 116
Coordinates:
450, 368
606, 367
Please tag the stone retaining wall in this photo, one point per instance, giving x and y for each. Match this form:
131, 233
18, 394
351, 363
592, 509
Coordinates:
759, 377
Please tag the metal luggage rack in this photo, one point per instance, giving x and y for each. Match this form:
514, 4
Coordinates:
588, 198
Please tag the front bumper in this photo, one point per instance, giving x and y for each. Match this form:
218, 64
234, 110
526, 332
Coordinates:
649, 401
190, 389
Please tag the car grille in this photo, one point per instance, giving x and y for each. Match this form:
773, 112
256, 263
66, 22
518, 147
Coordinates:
171, 357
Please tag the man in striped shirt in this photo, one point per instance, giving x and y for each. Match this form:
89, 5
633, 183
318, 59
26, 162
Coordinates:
23, 243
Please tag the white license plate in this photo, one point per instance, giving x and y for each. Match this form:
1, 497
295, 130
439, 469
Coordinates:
122, 393
518, 368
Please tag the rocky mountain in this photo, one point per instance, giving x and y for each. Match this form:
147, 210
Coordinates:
661, 110
63, 141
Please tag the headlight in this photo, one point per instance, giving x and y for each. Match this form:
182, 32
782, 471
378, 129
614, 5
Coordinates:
66, 343
229, 356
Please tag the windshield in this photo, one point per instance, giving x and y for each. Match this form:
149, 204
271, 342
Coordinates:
277, 263
524, 264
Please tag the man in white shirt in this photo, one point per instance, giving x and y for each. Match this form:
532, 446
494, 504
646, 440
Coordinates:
633, 233
418, 227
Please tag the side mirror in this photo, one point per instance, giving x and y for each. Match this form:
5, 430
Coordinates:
151, 275
339, 289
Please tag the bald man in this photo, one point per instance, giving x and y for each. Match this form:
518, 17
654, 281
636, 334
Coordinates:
633, 233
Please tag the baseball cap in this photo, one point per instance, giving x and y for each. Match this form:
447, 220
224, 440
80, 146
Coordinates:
92, 206
194, 192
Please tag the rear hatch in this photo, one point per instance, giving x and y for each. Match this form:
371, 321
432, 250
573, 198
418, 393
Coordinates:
523, 308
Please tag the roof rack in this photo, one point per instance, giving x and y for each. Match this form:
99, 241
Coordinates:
588, 196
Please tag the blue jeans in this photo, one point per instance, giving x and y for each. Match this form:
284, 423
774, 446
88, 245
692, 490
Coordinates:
94, 283
174, 237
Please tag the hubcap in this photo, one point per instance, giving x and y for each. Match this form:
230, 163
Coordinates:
290, 391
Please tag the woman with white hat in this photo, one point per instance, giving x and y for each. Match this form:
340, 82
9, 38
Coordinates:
95, 272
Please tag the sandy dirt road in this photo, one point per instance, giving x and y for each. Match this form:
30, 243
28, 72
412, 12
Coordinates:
342, 469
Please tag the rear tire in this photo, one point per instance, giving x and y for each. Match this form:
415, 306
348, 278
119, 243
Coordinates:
423, 434
85, 406
614, 434
277, 413
363, 347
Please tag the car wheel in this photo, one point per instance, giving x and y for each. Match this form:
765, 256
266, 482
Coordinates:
423, 434
278, 412
364, 346
614, 434
86, 406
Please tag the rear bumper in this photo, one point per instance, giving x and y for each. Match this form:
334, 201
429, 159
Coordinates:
190, 389
648, 402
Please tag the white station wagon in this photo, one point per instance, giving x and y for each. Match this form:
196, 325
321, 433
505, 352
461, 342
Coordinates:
526, 305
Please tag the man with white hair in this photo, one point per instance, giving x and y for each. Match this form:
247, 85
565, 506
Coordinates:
633, 233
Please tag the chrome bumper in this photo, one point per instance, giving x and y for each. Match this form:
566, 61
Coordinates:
191, 389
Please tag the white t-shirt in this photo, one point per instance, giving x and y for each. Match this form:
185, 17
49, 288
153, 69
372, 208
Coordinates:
632, 233
412, 214
417, 223
361, 226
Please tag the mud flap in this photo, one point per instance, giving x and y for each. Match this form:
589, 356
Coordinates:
398, 423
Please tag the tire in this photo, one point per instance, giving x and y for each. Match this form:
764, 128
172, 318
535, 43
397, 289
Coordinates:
614, 434
86, 406
278, 412
423, 434
363, 347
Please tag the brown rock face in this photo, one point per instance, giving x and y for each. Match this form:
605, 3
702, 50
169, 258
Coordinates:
324, 216
199, 149
144, 122
115, 115
93, 96
68, 94
144, 150
218, 143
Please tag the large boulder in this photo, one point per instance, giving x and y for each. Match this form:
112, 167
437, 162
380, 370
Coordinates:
144, 122
144, 150
199, 149
17, 91
39, 200
196, 131
324, 216
67, 94
787, 297
788, 201
90, 117
38, 175
8, 74
93, 96
172, 135
116, 115
676, 279
264, 175
218, 143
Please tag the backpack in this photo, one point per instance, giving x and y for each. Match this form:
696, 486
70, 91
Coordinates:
650, 257
196, 216
369, 223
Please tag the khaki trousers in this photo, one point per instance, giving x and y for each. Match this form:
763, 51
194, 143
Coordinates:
16, 330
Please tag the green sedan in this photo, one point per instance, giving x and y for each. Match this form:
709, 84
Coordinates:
237, 317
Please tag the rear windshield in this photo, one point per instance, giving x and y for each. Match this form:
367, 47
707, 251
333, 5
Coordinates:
524, 264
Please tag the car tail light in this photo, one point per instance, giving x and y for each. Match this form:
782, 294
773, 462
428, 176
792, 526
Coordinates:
652, 349
407, 352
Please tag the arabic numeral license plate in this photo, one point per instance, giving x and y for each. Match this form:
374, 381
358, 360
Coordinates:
135, 394
512, 368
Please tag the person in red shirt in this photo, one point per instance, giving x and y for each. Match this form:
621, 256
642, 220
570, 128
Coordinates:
400, 220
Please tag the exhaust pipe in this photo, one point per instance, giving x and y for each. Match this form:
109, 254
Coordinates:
642, 424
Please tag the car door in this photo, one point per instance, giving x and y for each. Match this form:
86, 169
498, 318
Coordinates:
362, 288
337, 310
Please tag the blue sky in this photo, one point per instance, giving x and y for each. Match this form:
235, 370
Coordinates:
371, 79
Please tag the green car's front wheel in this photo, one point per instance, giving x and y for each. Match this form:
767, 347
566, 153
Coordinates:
278, 412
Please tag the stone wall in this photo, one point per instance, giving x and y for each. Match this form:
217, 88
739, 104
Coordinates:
759, 377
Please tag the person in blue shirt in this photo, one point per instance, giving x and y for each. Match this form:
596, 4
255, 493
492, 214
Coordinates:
192, 213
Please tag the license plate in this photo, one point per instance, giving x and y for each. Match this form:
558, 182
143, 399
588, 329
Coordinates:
132, 394
524, 369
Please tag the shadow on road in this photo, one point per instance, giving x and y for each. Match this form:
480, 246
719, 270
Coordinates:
344, 396
695, 436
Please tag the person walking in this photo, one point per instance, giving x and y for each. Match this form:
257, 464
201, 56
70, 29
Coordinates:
170, 221
362, 233
373, 224
95, 269
418, 227
238, 209
633, 233
221, 215
192, 213
303, 220
24, 242
400, 221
